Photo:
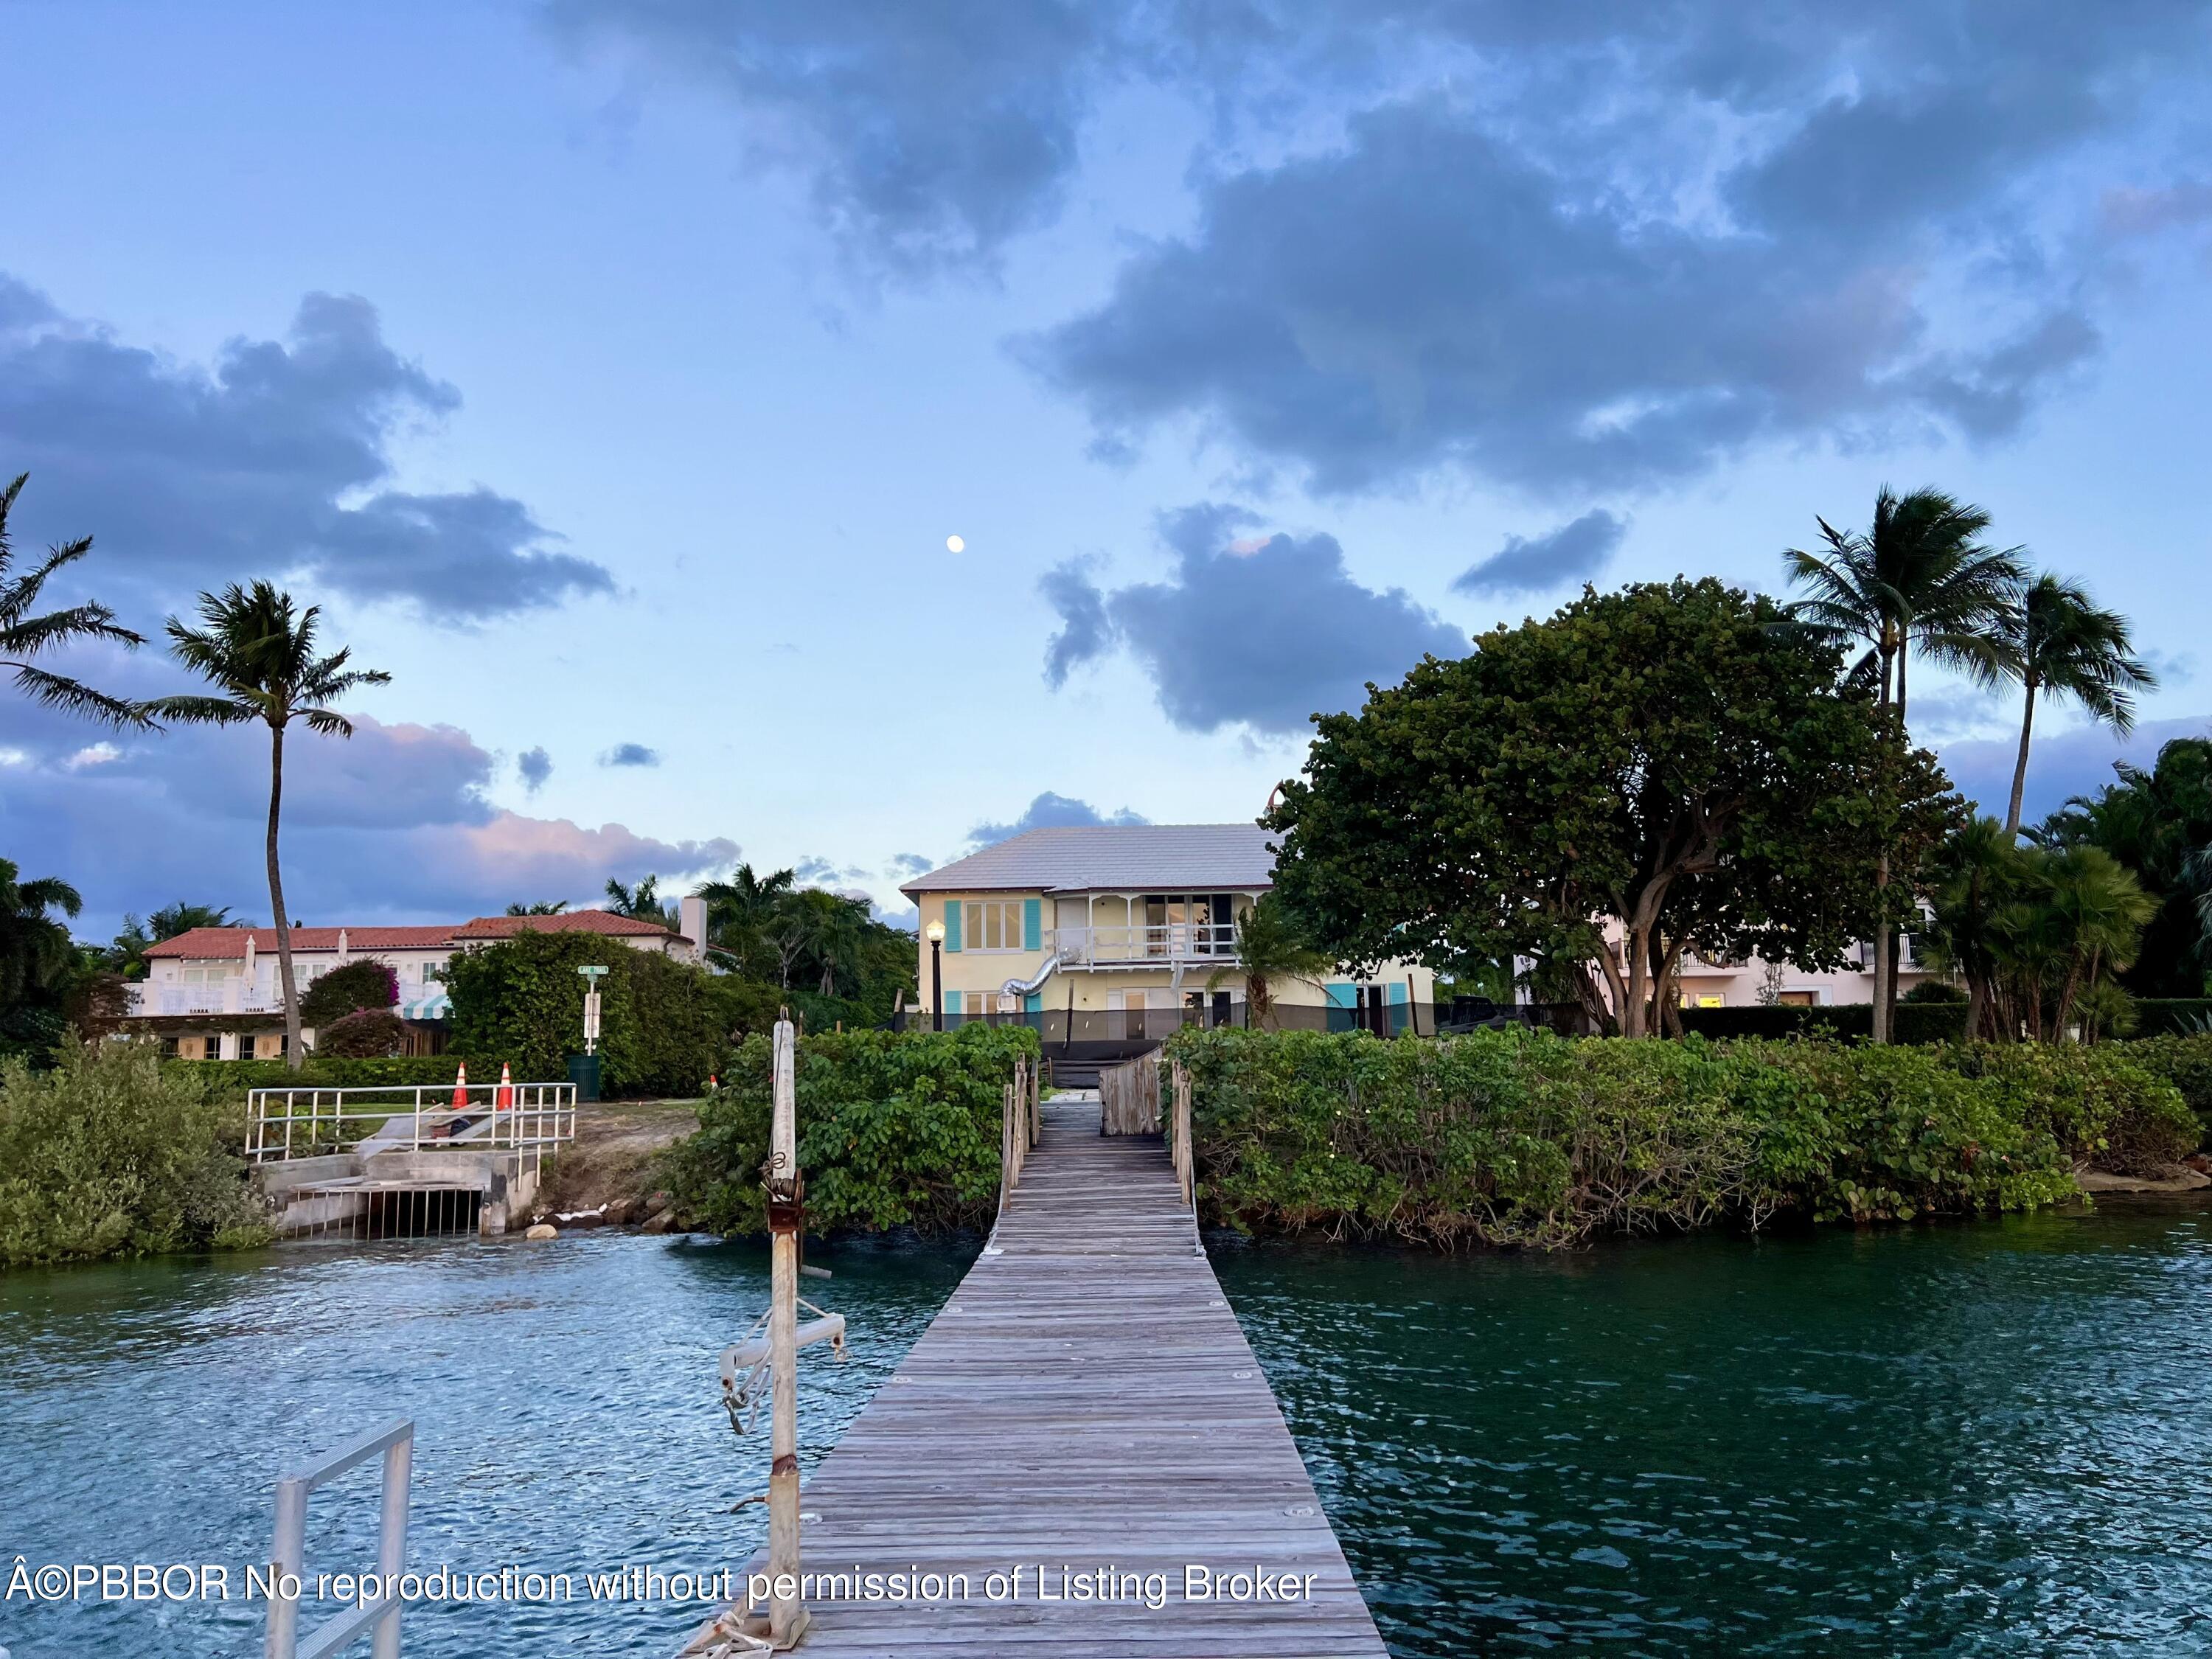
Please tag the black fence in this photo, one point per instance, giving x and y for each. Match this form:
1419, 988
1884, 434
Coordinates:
1057, 1027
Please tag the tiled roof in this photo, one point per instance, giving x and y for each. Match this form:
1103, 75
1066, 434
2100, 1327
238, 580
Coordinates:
1154, 858
228, 944
568, 921
219, 944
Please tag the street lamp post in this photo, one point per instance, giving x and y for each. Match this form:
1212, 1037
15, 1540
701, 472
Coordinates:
935, 934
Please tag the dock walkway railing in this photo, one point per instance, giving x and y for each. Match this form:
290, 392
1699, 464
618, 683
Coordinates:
527, 1118
379, 1614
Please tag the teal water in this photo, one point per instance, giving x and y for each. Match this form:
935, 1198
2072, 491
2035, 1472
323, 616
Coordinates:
1978, 1439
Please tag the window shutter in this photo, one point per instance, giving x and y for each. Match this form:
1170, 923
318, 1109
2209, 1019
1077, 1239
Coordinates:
952, 924
1032, 923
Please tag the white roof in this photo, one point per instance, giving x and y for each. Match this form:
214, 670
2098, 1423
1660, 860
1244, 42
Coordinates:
1144, 858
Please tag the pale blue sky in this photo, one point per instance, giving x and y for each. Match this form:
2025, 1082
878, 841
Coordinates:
674, 338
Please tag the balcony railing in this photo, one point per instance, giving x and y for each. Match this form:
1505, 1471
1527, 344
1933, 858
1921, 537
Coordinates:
1173, 941
226, 997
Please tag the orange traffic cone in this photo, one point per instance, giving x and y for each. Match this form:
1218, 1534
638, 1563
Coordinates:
461, 1087
505, 1098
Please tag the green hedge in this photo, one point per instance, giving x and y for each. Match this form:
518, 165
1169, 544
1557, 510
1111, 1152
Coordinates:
1520, 1137
895, 1130
2171, 1016
404, 1071
1916, 1022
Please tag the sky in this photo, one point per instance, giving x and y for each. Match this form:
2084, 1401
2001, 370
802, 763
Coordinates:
614, 373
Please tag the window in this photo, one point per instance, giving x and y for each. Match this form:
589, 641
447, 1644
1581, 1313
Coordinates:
992, 925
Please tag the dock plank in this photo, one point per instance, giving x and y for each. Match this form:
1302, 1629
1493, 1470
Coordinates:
1085, 1400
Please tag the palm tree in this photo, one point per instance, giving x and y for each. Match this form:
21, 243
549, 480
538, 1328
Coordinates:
127, 955
34, 948
538, 908
23, 636
1271, 948
2055, 642
1917, 579
738, 912
641, 903
1978, 875
2096, 912
258, 650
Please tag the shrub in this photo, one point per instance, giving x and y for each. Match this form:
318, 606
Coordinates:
1934, 990
365, 1034
2183, 1061
1520, 1137
362, 984
110, 1153
895, 1130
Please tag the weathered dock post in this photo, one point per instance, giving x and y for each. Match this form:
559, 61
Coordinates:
786, 1618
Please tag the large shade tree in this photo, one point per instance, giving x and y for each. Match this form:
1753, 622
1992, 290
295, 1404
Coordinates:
259, 651
1668, 762
1917, 579
27, 633
2054, 643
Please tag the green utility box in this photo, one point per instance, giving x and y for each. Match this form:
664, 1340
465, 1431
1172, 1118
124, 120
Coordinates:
584, 1072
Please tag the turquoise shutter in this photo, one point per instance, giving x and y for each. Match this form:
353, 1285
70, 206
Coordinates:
952, 924
1034, 1003
1032, 923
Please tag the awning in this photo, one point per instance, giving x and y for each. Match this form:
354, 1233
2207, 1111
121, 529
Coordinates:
437, 1007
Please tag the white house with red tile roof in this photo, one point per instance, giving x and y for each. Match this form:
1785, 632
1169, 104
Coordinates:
215, 992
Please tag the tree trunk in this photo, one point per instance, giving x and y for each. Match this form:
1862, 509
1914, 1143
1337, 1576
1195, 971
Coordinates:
293, 1056
1634, 1014
2020, 767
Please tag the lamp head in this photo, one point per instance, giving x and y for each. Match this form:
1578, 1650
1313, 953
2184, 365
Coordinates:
934, 933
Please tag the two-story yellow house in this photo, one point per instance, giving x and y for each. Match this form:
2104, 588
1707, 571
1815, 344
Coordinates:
1116, 934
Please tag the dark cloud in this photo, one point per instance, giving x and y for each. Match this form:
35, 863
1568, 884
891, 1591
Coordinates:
1655, 235
1265, 630
533, 767
1574, 552
276, 461
630, 754
904, 866
931, 134
393, 824
1085, 631
2074, 761
1050, 812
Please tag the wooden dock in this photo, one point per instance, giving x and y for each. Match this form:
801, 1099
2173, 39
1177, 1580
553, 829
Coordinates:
1086, 1400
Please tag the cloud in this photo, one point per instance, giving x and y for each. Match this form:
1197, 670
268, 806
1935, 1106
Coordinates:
533, 767
1261, 631
1574, 552
2075, 761
904, 866
819, 872
930, 135
1050, 812
1569, 247
391, 825
630, 754
276, 460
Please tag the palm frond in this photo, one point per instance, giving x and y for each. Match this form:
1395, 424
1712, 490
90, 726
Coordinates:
58, 691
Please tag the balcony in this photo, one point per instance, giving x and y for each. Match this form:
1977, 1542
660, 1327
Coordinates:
232, 996
1165, 942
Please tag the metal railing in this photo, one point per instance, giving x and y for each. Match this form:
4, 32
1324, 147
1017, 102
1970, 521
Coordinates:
379, 1613
1173, 941
528, 1118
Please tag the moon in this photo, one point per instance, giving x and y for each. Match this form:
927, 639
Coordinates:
954, 544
